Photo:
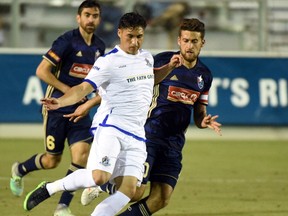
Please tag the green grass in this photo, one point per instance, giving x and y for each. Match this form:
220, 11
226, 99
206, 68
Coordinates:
219, 178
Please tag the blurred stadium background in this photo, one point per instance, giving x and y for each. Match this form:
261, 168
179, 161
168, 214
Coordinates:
244, 25
246, 49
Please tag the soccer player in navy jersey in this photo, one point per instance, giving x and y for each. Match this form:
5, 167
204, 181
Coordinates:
65, 65
183, 93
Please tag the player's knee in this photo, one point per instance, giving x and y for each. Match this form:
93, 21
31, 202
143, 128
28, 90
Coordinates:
50, 161
80, 159
80, 155
100, 177
128, 190
53, 164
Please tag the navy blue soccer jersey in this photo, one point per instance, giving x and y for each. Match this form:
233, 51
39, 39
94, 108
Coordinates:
72, 59
173, 101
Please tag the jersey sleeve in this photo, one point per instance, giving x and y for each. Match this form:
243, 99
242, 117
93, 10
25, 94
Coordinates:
203, 98
162, 59
56, 52
99, 74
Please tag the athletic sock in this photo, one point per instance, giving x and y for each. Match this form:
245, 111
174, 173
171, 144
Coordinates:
137, 209
67, 196
81, 178
108, 188
111, 205
32, 164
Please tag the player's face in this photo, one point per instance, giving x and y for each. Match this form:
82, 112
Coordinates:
190, 44
89, 19
131, 39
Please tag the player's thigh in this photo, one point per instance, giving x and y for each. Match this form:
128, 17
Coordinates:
79, 153
166, 167
79, 140
131, 159
79, 133
55, 134
148, 165
104, 150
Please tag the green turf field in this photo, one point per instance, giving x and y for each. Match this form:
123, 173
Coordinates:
219, 178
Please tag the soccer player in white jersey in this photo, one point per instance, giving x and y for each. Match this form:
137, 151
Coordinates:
118, 151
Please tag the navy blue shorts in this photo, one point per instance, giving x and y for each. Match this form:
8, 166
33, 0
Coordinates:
162, 165
58, 129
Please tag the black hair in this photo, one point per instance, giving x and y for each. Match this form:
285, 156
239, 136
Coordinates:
192, 25
132, 20
88, 4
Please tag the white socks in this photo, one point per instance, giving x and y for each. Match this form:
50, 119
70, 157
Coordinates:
81, 178
111, 205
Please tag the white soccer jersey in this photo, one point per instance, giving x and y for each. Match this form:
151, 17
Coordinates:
127, 81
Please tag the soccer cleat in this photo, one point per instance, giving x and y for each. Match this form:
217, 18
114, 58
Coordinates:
62, 210
35, 197
89, 194
16, 181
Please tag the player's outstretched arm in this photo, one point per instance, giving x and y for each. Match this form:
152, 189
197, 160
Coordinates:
72, 96
160, 73
83, 109
50, 103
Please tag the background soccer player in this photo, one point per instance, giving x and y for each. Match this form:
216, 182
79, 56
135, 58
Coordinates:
65, 65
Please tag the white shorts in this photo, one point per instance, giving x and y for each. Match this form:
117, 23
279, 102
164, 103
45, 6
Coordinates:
117, 153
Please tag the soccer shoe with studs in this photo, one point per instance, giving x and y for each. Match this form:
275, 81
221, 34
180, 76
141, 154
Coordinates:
16, 182
36, 196
89, 194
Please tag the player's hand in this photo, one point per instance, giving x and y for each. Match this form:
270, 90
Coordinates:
176, 61
79, 113
210, 122
50, 103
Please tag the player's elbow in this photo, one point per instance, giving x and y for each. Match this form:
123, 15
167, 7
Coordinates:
38, 73
43, 68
